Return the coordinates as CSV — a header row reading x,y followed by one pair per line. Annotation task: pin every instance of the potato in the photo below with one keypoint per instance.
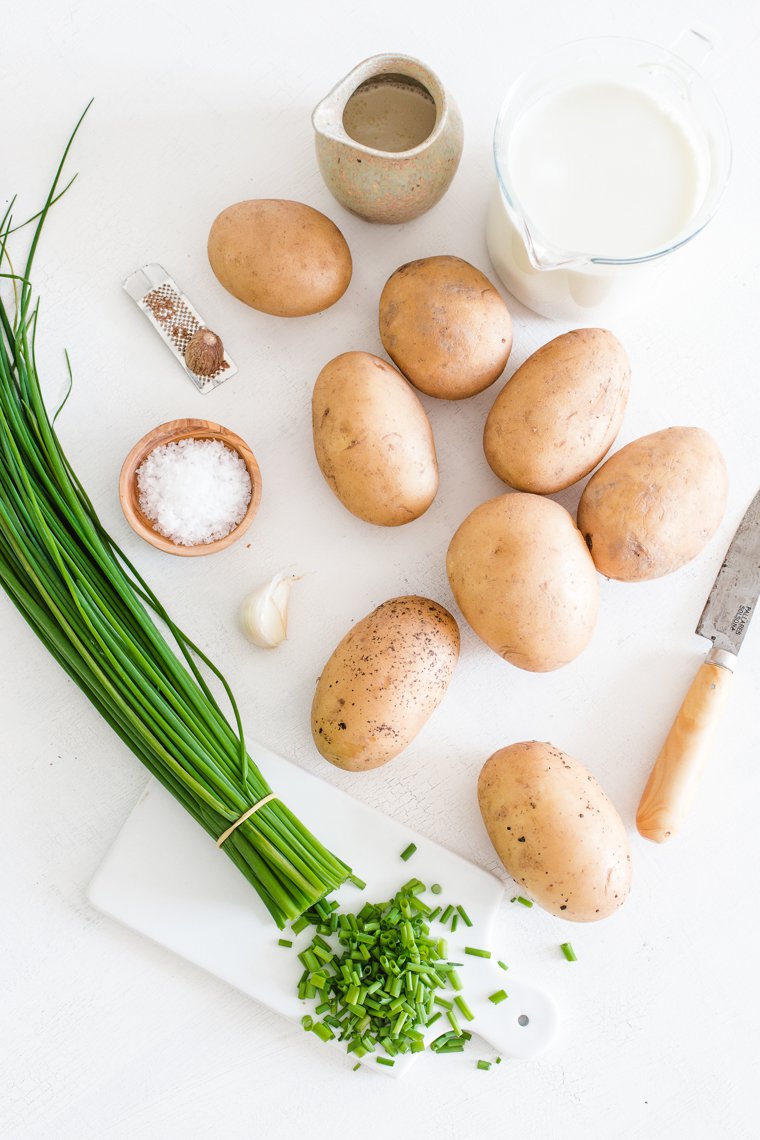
x,y
524,580
555,831
560,413
383,682
445,326
279,257
373,440
655,504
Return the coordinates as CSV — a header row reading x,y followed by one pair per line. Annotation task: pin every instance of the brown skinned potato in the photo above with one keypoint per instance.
x,y
445,326
280,257
560,412
373,440
383,682
655,504
524,580
555,831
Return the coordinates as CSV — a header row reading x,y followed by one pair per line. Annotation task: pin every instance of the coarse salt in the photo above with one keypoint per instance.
x,y
194,491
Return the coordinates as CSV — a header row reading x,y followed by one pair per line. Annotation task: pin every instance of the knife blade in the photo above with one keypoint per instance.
x,y
735,591
730,605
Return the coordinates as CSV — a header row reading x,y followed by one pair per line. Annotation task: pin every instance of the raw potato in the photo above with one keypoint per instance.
x,y
655,504
279,257
373,440
555,831
524,580
560,413
445,326
383,681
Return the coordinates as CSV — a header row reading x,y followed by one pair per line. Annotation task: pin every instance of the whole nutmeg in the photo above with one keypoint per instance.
x,y
204,354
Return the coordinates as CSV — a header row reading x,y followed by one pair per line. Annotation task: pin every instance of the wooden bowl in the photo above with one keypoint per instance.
x,y
173,432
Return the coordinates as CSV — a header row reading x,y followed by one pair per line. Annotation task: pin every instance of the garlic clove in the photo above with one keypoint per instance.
x,y
264,613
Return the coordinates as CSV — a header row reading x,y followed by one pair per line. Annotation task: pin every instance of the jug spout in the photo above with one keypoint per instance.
x,y
542,256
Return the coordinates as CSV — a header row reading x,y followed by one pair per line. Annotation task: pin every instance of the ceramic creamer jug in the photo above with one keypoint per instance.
x,y
388,139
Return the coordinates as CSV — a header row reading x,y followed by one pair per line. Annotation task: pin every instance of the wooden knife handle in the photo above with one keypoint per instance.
x,y
674,778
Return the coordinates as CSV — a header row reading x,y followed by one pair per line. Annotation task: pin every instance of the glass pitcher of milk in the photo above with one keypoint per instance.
x,y
610,155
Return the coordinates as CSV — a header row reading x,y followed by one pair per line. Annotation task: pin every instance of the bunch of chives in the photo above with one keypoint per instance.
x,y
95,614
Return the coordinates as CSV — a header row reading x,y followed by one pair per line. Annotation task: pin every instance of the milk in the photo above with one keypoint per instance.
x,y
594,172
606,170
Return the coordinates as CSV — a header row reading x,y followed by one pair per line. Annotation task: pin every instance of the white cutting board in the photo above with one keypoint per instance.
x,y
165,878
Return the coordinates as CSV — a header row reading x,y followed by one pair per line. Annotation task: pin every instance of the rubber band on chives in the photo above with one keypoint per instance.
x,y
246,815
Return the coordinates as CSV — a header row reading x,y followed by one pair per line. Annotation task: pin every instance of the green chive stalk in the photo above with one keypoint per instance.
x,y
97,616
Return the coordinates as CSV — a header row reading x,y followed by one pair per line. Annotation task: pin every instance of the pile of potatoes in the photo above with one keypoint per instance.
x,y
523,574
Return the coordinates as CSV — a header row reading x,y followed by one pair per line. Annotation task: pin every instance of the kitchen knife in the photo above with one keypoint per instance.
x,y
673,780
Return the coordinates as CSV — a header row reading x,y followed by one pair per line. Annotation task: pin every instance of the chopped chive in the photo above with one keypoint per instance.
x,y
357,883
454,1023
322,1031
477,953
454,980
436,888
498,997
407,853
465,916
400,1023
498,1061
413,887
284,942
385,1061
307,1022
503,965
464,1008
521,899
447,913
432,1020
358,1065
434,914
454,923
443,1002
485,1065
568,951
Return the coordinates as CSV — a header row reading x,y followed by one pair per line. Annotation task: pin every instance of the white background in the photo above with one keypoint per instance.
x,y
197,106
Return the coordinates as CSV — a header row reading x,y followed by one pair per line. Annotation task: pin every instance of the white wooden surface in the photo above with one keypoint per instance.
x,y
103,1035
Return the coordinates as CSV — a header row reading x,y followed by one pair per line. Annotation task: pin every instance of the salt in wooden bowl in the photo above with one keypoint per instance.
x,y
173,432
